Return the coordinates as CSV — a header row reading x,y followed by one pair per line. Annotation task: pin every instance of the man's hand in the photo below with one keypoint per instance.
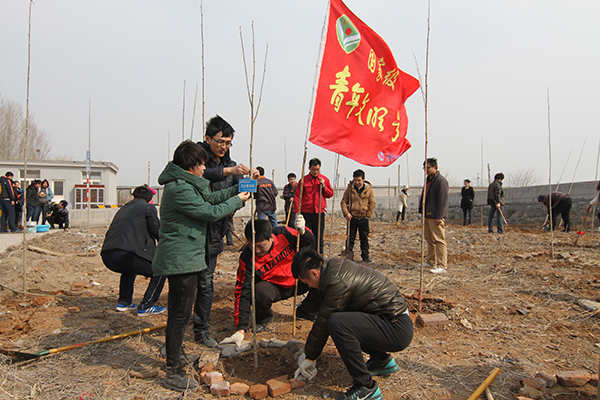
x,y
322,181
255,173
348,216
588,208
300,224
239,169
236,339
498,206
306,368
439,221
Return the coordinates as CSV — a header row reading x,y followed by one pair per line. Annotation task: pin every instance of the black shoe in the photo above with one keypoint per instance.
x,y
363,393
262,327
302,314
205,339
367,260
176,379
382,367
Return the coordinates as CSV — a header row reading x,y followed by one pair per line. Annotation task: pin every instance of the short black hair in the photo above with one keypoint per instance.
x,y
359,173
189,154
142,192
306,259
261,170
8,173
291,175
217,124
64,203
313,162
541,198
263,230
499,176
431,161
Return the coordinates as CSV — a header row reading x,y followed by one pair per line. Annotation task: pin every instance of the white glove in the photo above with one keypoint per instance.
x,y
236,339
300,224
306,368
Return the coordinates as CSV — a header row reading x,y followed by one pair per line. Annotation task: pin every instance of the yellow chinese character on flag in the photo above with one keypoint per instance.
x,y
340,87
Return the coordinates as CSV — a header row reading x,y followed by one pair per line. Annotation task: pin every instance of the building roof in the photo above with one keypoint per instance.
x,y
62,164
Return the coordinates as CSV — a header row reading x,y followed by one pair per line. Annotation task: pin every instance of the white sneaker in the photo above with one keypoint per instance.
x,y
426,265
437,270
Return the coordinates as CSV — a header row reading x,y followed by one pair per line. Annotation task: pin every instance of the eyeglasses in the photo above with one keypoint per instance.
x,y
223,143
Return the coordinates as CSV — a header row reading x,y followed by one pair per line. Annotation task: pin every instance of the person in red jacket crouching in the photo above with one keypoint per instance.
x,y
275,250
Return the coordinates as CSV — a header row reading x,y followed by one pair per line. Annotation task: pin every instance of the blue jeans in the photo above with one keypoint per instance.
x,y
499,221
204,296
8,215
32,213
270,215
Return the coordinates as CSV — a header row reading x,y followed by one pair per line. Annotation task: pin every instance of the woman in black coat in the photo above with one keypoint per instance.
x,y
468,194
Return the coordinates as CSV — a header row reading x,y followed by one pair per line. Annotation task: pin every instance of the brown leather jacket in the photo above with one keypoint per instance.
x,y
346,286
359,206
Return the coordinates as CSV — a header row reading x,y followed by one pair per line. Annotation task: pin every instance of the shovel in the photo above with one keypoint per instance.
x,y
30,356
348,254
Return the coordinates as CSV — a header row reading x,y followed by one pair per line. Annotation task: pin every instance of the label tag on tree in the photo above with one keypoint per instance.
x,y
247,185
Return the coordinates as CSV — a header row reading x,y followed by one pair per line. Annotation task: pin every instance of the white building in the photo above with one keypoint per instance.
x,y
68,179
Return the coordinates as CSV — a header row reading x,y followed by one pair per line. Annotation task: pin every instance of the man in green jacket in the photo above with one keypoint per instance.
x,y
362,311
186,207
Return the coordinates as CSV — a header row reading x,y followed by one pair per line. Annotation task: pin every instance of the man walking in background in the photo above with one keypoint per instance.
x,y
496,202
436,210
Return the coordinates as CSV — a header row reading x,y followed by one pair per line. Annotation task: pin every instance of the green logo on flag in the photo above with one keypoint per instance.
x,y
347,34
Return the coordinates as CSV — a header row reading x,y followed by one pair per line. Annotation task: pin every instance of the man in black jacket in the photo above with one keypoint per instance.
x,y
222,172
436,211
362,311
496,202
129,248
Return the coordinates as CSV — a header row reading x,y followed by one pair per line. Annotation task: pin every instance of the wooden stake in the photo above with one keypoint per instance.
x,y
595,183
25,147
202,38
194,112
550,178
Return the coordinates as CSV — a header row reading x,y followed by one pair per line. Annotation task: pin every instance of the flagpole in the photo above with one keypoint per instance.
x,y
310,116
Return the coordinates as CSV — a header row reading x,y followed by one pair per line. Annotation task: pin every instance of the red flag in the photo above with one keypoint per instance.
x,y
359,109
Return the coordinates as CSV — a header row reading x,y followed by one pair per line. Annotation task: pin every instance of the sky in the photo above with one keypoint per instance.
x,y
498,72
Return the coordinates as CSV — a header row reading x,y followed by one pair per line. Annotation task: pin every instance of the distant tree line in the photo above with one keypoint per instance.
x,y
12,134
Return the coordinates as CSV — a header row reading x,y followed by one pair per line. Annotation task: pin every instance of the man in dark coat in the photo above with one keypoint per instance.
x,y
436,210
7,204
362,311
222,172
496,202
129,248
466,203
289,191
266,198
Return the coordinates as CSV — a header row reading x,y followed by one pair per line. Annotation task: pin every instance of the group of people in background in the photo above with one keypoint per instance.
x,y
36,201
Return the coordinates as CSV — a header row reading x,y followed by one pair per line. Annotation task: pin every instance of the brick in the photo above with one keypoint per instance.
x,y
212,377
239,388
572,378
220,389
432,319
74,310
258,391
550,380
539,385
279,386
296,383
208,367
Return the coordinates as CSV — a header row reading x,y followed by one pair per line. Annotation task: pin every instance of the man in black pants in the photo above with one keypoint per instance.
x,y
275,250
362,311
561,205
129,249
222,172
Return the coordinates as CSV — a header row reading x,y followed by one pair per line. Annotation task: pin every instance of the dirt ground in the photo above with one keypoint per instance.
x,y
520,314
